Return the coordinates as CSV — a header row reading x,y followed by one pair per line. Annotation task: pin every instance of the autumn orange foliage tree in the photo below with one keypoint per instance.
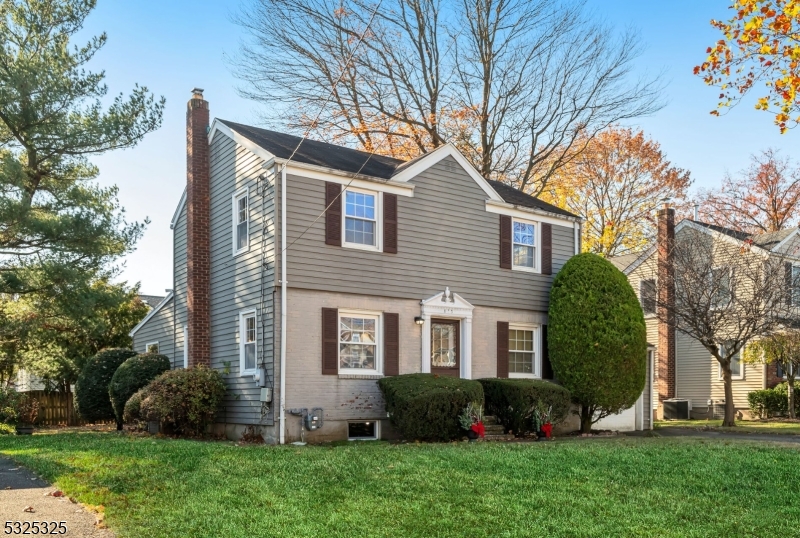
x,y
765,197
761,43
616,184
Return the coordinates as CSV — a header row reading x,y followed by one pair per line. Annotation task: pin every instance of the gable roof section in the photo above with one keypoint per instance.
x,y
622,262
331,156
772,240
152,300
152,313
513,196
317,153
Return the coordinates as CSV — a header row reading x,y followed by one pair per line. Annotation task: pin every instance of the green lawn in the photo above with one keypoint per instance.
x,y
742,426
606,487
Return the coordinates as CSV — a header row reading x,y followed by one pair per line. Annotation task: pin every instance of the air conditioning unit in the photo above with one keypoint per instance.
x,y
677,409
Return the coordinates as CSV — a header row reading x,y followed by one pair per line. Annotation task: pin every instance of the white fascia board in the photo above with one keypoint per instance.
x,y
178,211
504,208
640,260
437,155
219,127
152,313
344,178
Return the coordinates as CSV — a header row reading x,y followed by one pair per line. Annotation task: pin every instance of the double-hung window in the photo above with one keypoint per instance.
x,y
524,244
359,346
720,287
524,359
241,221
152,347
361,220
737,368
247,342
647,296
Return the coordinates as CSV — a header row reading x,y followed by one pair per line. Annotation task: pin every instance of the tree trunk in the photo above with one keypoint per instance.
x,y
730,411
71,418
790,384
586,419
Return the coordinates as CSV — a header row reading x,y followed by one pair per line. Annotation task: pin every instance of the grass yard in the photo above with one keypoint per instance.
x,y
609,487
742,426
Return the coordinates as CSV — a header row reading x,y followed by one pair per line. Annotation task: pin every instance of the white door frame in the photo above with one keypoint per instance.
x,y
447,305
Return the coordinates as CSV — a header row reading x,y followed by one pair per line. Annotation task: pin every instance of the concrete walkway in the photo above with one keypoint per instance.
x,y
674,431
20,489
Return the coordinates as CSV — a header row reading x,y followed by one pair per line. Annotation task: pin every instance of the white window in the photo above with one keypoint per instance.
x,y
737,367
241,221
359,343
647,296
152,347
368,430
185,346
524,244
247,343
361,219
720,287
524,359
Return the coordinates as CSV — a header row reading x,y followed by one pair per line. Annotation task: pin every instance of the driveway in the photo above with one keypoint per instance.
x,y
20,489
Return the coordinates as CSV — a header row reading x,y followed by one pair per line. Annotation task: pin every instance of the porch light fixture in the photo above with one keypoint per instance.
x,y
419,320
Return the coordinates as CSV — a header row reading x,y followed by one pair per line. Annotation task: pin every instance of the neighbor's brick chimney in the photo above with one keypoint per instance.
x,y
198,206
666,296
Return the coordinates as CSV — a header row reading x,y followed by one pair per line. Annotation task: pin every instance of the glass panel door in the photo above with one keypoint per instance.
x,y
445,347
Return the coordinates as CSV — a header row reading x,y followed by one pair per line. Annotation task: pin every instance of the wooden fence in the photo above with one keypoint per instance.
x,y
55,409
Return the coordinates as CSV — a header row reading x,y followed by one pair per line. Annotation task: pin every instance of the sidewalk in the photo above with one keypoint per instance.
x,y
20,488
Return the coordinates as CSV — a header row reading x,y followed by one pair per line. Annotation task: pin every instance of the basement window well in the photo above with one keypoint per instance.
x,y
363,431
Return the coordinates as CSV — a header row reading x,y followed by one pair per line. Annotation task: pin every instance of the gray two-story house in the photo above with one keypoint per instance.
x,y
305,271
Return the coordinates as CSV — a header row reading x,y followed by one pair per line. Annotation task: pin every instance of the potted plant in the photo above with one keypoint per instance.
x,y
541,421
27,411
471,420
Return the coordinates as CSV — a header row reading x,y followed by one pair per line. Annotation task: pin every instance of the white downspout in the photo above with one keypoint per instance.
x,y
652,355
283,305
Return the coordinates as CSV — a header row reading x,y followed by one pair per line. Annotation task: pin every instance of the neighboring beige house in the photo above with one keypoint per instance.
x,y
683,367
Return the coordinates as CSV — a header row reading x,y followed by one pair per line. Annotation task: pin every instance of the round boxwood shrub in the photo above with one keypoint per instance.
x,y
597,337
184,399
91,388
132,375
427,406
512,402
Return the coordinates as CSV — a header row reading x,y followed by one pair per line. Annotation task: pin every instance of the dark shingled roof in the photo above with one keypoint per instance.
x,y
737,234
517,197
360,162
151,300
319,153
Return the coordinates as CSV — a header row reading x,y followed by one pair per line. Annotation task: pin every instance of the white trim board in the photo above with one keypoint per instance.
x,y
529,213
177,213
424,162
152,313
345,178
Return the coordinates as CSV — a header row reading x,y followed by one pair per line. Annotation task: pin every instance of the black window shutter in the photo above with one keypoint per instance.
x,y
391,344
390,223
330,341
787,274
502,349
779,370
547,249
333,214
547,367
505,242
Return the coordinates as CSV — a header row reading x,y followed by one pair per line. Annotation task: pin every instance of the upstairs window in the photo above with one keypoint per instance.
x,y
737,368
647,296
794,285
241,222
524,245
247,346
361,219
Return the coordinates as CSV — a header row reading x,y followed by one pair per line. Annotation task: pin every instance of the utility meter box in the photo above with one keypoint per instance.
x,y
266,394
312,421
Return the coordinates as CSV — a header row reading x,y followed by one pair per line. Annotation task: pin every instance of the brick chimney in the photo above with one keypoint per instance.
x,y
198,216
665,243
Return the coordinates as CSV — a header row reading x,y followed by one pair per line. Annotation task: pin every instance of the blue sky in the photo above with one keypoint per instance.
x,y
175,45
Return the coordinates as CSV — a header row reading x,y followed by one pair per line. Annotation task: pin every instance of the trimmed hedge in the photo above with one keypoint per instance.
x,y
427,406
512,401
773,402
91,389
132,375
186,399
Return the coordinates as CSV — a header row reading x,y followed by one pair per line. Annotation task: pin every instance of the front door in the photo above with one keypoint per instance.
x,y
445,348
